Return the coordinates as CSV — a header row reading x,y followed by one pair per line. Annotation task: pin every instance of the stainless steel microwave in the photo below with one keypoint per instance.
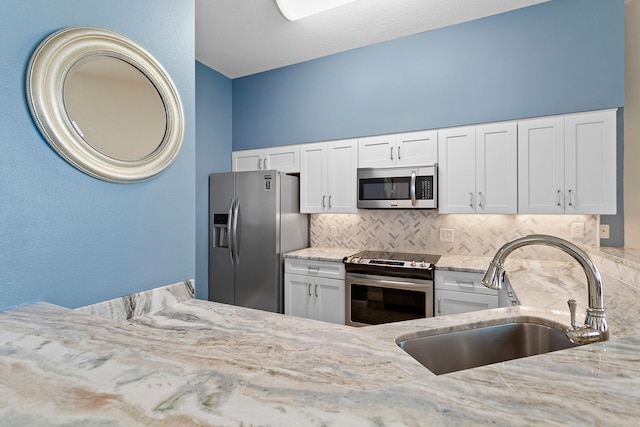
x,y
399,188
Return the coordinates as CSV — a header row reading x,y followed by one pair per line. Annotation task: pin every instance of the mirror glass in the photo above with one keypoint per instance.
x,y
114,107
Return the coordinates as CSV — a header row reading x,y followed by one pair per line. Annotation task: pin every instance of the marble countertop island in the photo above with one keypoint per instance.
x,y
204,363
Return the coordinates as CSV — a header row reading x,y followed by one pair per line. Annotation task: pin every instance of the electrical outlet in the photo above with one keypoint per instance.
x,y
604,231
446,235
577,230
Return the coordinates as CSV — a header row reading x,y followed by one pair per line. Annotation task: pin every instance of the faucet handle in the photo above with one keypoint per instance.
x,y
572,308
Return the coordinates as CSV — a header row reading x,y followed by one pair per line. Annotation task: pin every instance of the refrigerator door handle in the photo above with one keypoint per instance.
x,y
236,239
230,234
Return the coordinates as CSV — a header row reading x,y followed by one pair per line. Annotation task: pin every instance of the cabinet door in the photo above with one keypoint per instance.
x,y
285,158
297,295
417,148
456,175
453,302
313,180
377,151
590,163
541,166
328,300
246,160
342,164
497,168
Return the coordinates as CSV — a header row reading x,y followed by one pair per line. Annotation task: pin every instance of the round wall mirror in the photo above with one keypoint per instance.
x,y
105,104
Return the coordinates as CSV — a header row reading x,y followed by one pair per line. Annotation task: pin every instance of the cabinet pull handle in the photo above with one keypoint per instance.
x,y
316,291
471,200
559,194
398,152
265,163
570,197
439,305
323,201
391,153
329,201
309,289
480,199
259,164
468,283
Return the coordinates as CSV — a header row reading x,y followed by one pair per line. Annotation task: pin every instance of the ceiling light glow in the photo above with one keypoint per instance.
x,y
298,9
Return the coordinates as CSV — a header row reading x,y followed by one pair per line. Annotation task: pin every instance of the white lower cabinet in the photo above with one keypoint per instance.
x,y
462,292
314,290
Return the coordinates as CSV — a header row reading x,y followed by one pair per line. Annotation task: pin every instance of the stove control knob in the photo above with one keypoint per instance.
x,y
413,263
424,264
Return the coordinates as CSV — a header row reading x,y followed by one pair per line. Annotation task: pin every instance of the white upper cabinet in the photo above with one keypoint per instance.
x,y
328,177
541,165
567,164
497,168
590,163
313,177
376,151
405,149
342,179
457,170
477,169
284,158
246,160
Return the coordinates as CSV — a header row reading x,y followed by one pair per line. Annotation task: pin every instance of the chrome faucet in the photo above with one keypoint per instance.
x,y
595,325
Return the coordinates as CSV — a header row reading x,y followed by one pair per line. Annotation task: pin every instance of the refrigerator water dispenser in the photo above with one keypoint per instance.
x,y
220,230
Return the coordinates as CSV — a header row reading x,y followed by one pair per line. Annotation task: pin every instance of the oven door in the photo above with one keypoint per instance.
x,y
372,300
398,187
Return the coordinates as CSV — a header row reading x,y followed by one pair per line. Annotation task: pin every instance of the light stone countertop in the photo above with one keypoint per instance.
x,y
322,254
204,363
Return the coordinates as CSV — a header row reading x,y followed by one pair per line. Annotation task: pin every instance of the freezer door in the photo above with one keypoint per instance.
x,y
221,268
257,267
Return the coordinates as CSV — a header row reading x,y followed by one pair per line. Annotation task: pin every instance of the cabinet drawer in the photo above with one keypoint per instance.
x,y
307,267
461,282
453,302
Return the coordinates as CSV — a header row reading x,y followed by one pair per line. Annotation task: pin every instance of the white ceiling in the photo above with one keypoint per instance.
x,y
242,37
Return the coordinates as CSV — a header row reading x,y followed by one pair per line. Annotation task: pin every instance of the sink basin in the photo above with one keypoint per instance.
x,y
455,351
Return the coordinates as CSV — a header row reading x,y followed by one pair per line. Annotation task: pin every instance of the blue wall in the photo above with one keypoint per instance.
x,y
68,238
213,154
556,57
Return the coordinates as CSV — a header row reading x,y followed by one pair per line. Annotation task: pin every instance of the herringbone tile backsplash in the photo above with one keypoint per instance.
x,y
419,230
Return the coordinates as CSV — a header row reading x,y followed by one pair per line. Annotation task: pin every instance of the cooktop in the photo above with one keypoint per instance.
x,y
393,259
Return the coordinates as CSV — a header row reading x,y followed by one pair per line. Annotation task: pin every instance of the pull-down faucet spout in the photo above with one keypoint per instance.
x,y
595,325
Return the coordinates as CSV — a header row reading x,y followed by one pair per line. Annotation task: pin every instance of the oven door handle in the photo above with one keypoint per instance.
x,y
413,188
389,281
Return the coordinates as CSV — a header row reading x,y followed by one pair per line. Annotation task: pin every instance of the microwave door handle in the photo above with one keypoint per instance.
x,y
413,188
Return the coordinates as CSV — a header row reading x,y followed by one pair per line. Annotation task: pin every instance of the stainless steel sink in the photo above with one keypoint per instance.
x,y
455,351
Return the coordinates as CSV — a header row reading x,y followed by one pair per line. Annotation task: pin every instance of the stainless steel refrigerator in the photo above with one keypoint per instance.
x,y
254,218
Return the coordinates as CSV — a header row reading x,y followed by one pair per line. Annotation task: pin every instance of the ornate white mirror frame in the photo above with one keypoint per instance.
x,y
48,70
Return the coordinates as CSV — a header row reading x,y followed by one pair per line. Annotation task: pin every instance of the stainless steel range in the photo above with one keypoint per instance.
x,y
383,287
